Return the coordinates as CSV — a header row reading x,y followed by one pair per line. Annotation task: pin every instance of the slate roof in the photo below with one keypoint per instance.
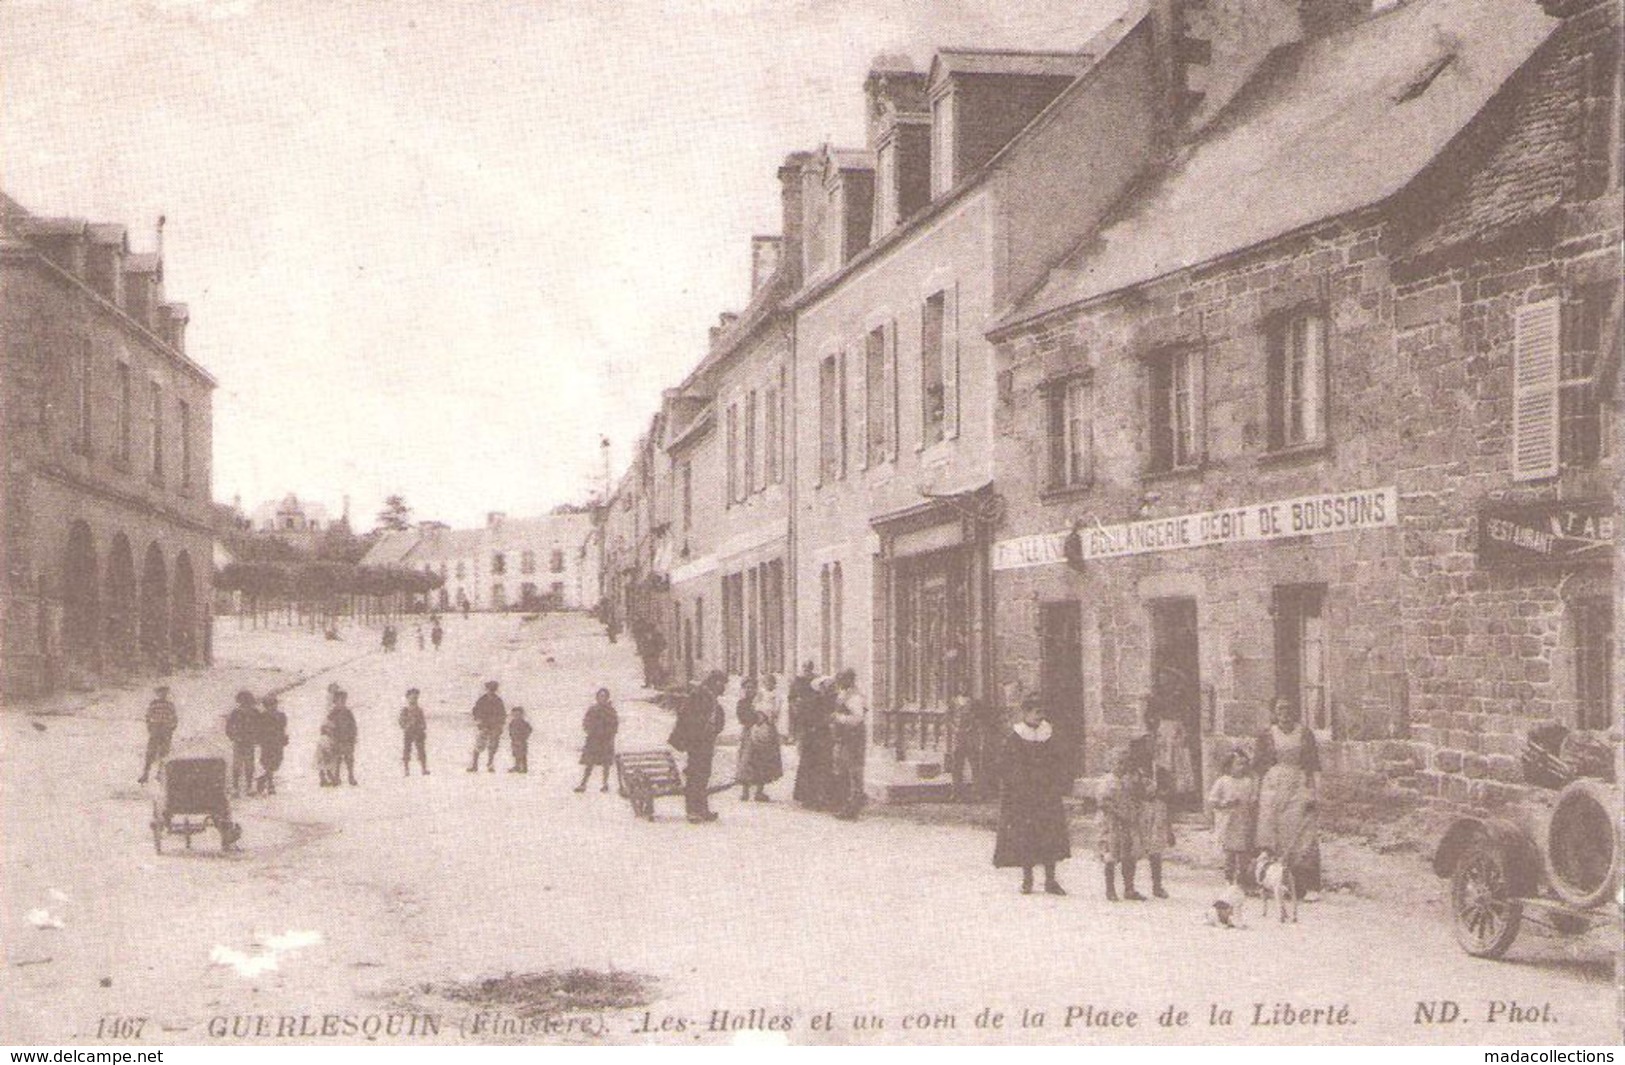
x,y
1322,130
392,548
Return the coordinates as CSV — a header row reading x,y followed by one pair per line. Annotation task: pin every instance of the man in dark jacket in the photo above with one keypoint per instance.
x,y
273,740
242,729
698,725
345,732
490,714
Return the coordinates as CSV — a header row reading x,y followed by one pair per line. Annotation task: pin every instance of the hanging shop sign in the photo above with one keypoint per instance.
x,y
1283,519
1564,533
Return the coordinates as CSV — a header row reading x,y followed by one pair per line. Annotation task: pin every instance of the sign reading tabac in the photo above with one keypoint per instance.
x,y
1546,533
1329,512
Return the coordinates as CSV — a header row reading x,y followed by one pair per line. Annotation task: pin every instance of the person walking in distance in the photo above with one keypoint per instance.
x,y
490,714
162,720
242,729
345,734
273,741
600,723
414,734
519,731
850,726
695,734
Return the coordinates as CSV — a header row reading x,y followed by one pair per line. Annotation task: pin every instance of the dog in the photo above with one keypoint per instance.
x,y
1275,880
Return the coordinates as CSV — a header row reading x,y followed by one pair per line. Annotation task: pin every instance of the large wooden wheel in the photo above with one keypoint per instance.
x,y
1486,915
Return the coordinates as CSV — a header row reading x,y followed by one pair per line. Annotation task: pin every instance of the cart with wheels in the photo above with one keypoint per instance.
x,y
194,801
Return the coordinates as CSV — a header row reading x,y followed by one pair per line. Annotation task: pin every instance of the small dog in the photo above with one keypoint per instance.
x,y
1275,880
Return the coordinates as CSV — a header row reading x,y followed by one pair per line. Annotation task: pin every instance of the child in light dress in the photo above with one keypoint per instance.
x,y
1234,801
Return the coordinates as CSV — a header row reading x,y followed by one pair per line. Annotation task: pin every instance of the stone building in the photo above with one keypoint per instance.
x,y
636,541
506,564
978,173
300,523
1324,410
108,528
726,448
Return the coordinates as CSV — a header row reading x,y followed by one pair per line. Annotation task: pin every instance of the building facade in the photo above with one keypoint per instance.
x,y
508,564
108,526
1344,443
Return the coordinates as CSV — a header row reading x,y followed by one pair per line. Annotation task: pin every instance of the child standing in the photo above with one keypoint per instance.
x,y
600,724
519,731
1234,799
414,734
1120,816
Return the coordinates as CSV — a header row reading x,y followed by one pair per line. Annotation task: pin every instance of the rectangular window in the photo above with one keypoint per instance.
x,y
186,442
829,419
770,445
499,564
1581,413
124,413
157,393
1297,381
751,464
733,453
555,562
82,383
1300,650
1070,405
875,398
825,621
688,496
1175,411
527,563
933,376
1593,662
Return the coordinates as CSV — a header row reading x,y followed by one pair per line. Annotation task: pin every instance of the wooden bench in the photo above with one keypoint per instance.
x,y
645,776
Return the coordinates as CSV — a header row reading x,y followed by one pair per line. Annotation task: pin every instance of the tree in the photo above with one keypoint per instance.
x,y
396,515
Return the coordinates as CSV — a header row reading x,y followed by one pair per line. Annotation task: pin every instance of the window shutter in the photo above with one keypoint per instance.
x,y
893,422
1534,391
1275,359
950,362
868,402
842,413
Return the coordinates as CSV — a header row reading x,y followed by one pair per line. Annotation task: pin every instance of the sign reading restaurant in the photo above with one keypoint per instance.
x,y
1572,532
1330,512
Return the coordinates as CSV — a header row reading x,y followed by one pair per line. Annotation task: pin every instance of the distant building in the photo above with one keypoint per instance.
x,y
108,530
300,523
508,564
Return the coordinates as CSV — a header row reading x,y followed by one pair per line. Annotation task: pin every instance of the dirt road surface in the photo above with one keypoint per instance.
x,y
416,889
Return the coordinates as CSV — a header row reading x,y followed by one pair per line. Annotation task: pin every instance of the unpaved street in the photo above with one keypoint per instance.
x,y
420,883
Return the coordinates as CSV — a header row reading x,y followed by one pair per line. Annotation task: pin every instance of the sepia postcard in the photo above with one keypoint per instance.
x,y
825,522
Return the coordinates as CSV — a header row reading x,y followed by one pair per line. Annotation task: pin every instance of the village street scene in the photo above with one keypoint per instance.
x,y
1096,524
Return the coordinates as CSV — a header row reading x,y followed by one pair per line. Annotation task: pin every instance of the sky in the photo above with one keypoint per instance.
x,y
443,248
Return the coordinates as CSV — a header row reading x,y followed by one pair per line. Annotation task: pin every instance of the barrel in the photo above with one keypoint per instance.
x,y
1583,844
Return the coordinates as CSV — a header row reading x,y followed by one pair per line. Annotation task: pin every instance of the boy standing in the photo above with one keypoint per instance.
x,y
414,734
519,731
162,721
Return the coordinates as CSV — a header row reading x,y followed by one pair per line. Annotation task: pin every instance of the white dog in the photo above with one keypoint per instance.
x,y
1275,880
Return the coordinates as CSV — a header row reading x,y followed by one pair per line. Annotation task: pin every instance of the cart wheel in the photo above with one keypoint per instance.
x,y
1485,913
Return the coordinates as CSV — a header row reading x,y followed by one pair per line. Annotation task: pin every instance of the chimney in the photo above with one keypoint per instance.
x,y
790,199
764,259
900,137
172,319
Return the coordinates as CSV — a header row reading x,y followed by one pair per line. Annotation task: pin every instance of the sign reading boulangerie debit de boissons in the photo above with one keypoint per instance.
x,y
1329,512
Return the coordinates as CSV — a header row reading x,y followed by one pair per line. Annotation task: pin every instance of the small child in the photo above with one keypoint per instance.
x,y
1234,799
600,724
327,757
519,731
1119,801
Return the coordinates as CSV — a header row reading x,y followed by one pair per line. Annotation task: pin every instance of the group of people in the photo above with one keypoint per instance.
x,y
1263,803
830,721
258,732
391,636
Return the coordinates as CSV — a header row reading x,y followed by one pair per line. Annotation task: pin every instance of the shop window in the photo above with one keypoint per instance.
x,y
1297,381
1069,406
1593,662
1176,410
1300,650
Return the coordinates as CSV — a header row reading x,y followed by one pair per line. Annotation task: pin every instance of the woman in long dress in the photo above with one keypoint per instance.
x,y
816,742
760,763
1032,818
1290,762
